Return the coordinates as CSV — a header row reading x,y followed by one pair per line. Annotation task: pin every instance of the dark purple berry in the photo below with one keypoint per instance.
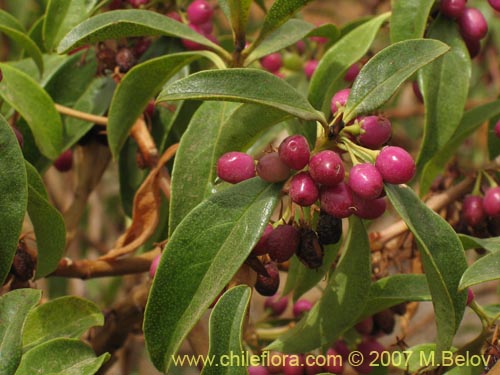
x,y
294,151
326,168
271,169
303,190
268,285
470,296
125,59
473,210
235,167
310,251
199,11
312,368
300,307
294,364
491,202
329,229
473,46
352,72
65,161
337,200
342,349
154,266
375,131
275,363
272,63
497,129
206,28
141,46
150,108
365,327
189,44
310,67
261,247
277,306
366,181
417,92
369,209
339,100
495,4
19,136
384,321
395,165
472,24
257,370
452,8
283,242
368,347
334,363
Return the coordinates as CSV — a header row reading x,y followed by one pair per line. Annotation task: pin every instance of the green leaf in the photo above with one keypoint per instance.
x,y
287,34
61,357
61,16
202,255
237,12
444,103
382,75
14,307
329,75
280,12
409,19
242,85
493,140
443,259
226,325
471,120
66,316
11,27
13,196
396,289
344,298
489,244
482,270
127,23
137,88
37,108
419,356
225,127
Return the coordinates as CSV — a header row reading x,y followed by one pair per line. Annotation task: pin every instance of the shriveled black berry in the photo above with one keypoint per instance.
x,y
329,229
23,265
384,321
125,59
268,286
310,251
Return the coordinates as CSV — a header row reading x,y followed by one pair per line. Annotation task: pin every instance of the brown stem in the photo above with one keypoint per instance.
x,y
145,142
98,120
86,268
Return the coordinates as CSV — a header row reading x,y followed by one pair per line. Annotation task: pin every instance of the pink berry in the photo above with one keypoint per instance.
x,y
272,63
365,327
271,169
206,28
174,15
276,305
395,165
19,136
337,200
300,307
275,363
303,190
368,347
261,247
341,348
319,39
472,24
497,129
150,108
294,364
154,266
352,72
339,100
470,296
294,151
199,11
473,46
473,210
311,367
326,168
375,131
301,47
452,8
137,3
65,161
257,370
368,209
283,242
310,67
235,167
334,361
417,92
366,181
495,4
491,202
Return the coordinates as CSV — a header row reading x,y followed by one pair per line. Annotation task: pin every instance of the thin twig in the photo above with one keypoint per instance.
x,y
98,120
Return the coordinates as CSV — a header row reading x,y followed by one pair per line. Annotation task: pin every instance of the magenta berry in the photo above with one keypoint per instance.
x,y
283,242
368,209
334,364
472,24
199,11
337,200
375,131
174,15
294,364
497,129
235,167
272,63
190,45
154,266
473,210
366,181
311,367
206,28
137,3
294,151
65,161
491,202
261,247
395,165
326,168
267,285
339,100
300,307
495,4
303,190
310,67
368,347
342,349
452,8
271,169
352,72
470,296
150,108
257,370
473,46
277,306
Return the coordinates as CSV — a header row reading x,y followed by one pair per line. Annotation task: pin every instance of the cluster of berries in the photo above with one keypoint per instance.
x,y
476,208
471,22
200,16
